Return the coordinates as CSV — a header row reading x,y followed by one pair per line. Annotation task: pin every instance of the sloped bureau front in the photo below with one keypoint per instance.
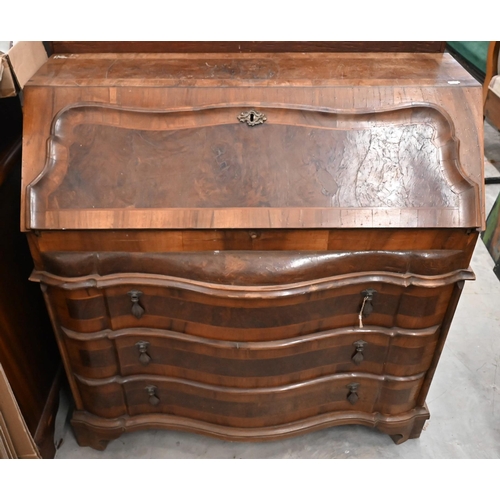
x,y
299,167
251,247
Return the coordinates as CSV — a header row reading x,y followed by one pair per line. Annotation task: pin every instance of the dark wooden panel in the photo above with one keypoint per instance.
x,y
59,47
10,136
27,348
340,240
28,352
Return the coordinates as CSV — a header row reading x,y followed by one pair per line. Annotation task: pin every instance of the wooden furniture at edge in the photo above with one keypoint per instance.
x,y
251,246
28,352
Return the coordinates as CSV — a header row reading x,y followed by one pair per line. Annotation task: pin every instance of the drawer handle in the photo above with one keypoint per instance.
x,y
137,310
358,356
366,306
144,357
153,398
352,396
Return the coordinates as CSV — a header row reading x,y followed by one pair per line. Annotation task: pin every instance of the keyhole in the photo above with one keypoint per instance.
x,y
251,117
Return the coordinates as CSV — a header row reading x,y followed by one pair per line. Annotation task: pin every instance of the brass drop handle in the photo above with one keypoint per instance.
x,y
137,310
366,305
153,398
144,357
358,356
352,395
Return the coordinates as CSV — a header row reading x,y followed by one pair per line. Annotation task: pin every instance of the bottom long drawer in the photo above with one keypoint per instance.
x,y
259,407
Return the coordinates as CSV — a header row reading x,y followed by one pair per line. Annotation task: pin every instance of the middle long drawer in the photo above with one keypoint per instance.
x,y
393,351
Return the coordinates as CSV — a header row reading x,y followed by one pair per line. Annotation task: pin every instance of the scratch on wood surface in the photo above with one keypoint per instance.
x,y
109,68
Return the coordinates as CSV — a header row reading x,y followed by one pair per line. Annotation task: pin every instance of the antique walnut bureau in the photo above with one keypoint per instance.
x,y
251,246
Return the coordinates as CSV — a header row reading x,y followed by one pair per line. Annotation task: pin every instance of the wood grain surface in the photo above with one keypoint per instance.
x,y
253,314
391,351
335,240
341,85
97,432
251,246
391,168
268,69
257,407
253,267
182,47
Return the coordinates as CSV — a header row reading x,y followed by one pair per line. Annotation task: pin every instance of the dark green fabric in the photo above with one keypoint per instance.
x,y
473,52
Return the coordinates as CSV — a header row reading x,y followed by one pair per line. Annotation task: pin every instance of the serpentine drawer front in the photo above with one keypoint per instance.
x,y
251,246
249,407
246,314
392,351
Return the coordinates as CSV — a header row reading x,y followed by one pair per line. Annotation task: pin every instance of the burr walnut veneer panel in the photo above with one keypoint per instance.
x,y
305,167
251,246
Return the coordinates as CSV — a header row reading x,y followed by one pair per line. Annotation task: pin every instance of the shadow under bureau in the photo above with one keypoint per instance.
x,y
251,246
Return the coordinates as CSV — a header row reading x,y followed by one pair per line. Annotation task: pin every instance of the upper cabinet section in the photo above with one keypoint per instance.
x,y
244,141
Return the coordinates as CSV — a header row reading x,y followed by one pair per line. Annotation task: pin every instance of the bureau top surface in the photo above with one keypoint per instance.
x,y
264,69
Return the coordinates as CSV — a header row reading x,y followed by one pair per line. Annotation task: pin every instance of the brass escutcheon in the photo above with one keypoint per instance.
x,y
252,117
